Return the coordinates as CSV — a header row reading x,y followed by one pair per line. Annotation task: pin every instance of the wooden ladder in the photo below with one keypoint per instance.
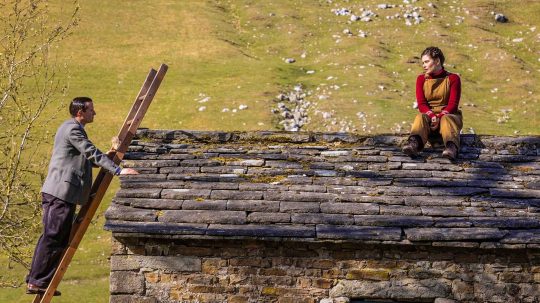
x,y
103,179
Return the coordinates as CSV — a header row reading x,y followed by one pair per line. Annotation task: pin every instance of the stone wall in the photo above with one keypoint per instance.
x,y
165,270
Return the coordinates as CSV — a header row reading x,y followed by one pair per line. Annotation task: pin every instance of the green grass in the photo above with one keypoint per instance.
x,y
233,51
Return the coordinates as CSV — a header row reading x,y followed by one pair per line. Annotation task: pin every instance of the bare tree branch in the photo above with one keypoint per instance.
x,y
29,87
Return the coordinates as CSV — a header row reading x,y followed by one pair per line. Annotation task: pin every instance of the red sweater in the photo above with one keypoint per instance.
x,y
455,93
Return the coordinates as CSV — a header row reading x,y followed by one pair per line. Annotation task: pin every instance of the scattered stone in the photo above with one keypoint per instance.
x,y
290,60
309,72
517,40
362,34
225,110
385,6
292,109
347,32
202,108
505,116
341,11
242,107
413,17
501,18
204,100
355,18
366,16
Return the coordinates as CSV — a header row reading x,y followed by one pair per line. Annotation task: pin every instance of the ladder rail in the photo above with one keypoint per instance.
x,y
132,112
103,179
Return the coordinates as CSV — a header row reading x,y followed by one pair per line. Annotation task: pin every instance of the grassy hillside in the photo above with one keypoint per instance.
x,y
234,53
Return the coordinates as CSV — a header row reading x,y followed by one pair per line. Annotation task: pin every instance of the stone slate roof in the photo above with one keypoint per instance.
x,y
329,187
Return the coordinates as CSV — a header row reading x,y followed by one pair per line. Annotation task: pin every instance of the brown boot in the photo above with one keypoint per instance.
x,y
413,146
451,151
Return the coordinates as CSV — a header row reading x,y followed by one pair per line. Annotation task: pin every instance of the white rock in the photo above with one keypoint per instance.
x,y
309,72
290,60
517,40
203,100
342,11
225,110
385,6
202,108
242,107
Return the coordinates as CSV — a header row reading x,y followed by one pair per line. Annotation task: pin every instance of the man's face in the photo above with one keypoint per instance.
x,y
87,116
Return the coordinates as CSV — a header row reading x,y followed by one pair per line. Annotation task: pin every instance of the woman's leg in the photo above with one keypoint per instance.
x,y
450,128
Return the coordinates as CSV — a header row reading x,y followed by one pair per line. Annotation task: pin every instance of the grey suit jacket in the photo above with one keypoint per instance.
x,y
70,171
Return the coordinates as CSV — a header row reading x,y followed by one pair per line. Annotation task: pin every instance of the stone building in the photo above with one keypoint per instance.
x,y
325,217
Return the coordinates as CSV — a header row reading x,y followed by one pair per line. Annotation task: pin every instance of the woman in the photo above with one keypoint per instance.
x,y
437,94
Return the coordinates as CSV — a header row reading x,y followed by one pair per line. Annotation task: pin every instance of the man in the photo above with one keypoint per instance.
x,y
68,183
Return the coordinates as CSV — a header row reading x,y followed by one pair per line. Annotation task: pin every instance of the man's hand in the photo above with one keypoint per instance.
x,y
129,171
115,143
435,121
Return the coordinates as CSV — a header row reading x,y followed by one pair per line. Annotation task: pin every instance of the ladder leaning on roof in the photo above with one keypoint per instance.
x,y
103,179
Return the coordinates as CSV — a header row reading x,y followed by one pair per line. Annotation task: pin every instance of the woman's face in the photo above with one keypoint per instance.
x,y
430,65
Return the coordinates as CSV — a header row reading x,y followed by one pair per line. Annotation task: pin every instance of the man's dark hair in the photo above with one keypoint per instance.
x,y
435,53
77,104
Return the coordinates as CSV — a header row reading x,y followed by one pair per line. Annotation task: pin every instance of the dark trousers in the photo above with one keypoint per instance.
x,y
57,221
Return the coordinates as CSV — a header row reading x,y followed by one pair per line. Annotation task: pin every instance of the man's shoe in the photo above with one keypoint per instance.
x,y
451,151
412,147
32,289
